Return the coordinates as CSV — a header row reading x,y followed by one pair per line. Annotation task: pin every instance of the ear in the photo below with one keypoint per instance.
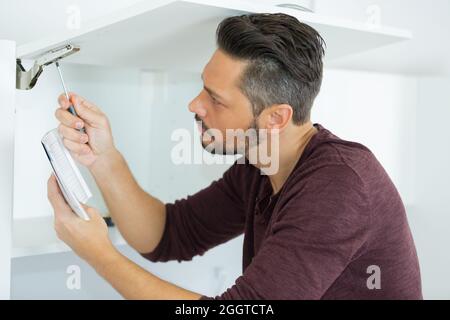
x,y
279,116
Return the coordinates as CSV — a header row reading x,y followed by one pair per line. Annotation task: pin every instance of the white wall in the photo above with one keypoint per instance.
x,y
7,81
430,216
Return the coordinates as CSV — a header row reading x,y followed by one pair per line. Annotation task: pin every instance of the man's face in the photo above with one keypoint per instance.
x,y
221,106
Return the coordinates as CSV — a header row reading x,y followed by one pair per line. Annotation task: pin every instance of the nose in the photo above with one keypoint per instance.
x,y
197,106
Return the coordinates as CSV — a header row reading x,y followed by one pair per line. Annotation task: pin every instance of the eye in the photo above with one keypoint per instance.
x,y
214,100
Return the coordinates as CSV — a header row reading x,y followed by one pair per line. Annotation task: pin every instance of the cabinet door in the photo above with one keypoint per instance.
x,y
7,90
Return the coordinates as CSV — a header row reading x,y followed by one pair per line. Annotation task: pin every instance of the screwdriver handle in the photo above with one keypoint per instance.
x,y
71,108
72,111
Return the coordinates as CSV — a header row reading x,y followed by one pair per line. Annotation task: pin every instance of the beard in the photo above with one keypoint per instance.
x,y
235,146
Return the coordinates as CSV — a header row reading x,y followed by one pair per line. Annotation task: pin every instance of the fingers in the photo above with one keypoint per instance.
x,y
55,195
65,103
62,211
75,147
84,109
68,119
92,213
91,115
76,99
72,134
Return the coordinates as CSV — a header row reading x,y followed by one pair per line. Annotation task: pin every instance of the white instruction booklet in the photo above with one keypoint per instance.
x,y
70,180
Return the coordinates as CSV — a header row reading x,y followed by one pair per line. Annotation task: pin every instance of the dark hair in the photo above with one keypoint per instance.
x,y
284,60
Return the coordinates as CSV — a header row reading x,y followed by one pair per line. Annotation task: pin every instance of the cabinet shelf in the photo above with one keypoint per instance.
x,y
181,34
36,236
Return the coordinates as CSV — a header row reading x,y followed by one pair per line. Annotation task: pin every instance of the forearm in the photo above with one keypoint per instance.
x,y
139,216
133,282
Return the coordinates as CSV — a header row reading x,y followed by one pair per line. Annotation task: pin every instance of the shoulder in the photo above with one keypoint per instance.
x,y
330,159
335,182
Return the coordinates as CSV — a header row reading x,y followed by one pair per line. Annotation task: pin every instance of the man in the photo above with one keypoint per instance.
x,y
328,224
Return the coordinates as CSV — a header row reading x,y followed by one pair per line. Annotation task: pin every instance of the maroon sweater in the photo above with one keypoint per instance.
x,y
337,215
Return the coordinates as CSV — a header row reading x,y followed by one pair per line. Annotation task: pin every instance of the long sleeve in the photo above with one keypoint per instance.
x,y
204,220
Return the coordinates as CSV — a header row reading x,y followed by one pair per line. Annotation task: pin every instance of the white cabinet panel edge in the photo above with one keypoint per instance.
x,y
304,16
7,94
36,236
150,34
33,48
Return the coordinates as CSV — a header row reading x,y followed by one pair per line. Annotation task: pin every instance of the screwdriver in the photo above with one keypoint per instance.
x,y
71,108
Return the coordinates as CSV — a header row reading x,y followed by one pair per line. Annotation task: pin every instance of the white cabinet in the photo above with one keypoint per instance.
x,y
141,65
7,84
180,34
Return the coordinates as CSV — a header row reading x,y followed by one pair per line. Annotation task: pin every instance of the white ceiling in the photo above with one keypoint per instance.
x,y
427,53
